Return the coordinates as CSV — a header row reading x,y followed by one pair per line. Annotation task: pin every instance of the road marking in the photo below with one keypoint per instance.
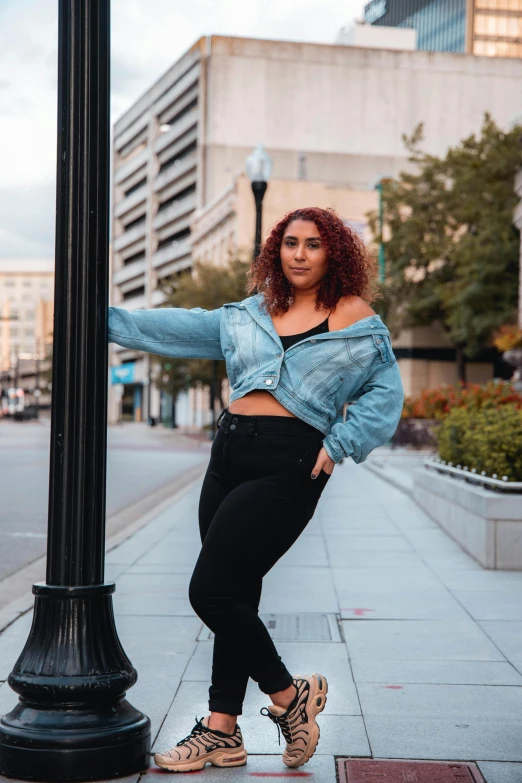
x,y
358,612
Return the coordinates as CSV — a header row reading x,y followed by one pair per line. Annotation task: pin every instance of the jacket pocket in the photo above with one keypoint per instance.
x,y
363,350
325,391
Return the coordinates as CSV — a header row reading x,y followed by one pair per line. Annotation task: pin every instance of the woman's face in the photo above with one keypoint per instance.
x,y
303,254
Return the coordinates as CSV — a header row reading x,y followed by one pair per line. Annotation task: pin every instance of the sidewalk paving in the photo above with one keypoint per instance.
x,y
422,648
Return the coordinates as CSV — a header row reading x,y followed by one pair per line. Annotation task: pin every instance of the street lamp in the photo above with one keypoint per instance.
x,y
259,169
379,188
72,721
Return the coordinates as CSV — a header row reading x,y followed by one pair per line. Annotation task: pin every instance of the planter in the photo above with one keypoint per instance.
x,y
486,524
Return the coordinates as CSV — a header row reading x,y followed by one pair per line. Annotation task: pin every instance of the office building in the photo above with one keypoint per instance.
x,y
341,109
491,28
26,309
26,324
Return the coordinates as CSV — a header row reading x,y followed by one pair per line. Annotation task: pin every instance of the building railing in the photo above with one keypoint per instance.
x,y
130,166
128,272
175,250
129,237
177,129
176,210
188,81
130,201
175,171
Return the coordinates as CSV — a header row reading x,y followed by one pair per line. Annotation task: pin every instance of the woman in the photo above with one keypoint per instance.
x,y
296,352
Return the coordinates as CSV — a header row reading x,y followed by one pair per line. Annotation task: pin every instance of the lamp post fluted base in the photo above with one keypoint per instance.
x,y
74,745
72,722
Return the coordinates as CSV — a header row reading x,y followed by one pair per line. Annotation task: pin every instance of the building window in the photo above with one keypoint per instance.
x,y
177,197
135,187
27,283
140,291
174,238
192,105
178,157
133,258
138,222
29,314
29,332
13,331
9,283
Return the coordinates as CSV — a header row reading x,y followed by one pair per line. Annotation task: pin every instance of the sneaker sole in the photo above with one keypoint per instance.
x,y
220,758
316,704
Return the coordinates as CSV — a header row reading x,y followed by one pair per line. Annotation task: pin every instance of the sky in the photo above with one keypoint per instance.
x,y
147,36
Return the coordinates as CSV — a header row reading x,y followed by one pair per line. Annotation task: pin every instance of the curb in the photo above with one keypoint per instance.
x,y
124,524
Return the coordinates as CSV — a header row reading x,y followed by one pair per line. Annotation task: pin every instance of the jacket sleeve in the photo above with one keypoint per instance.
x,y
371,421
168,331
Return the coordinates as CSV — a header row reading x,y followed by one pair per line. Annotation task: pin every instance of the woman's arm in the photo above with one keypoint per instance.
x,y
168,331
371,421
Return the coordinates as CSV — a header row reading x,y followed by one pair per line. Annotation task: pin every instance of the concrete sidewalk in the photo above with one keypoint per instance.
x,y
422,648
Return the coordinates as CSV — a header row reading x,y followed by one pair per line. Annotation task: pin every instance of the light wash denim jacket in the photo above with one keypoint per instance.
x,y
312,379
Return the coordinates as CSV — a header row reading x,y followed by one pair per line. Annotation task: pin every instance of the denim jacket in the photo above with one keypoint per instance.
x,y
312,379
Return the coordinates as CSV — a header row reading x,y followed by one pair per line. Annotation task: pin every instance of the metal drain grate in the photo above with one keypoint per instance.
x,y
295,628
388,771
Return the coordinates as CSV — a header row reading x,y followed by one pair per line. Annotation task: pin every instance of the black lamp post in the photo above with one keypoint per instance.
x,y
72,721
259,169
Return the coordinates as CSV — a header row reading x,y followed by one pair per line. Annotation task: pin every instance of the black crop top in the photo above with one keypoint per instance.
x,y
291,339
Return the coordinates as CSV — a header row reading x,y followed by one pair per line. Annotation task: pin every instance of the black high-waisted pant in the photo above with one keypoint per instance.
x,y
256,500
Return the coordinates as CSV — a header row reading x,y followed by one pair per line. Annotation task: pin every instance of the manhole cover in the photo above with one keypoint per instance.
x,y
296,628
387,771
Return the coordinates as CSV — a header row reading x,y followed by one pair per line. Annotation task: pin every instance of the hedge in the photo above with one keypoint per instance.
x,y
488,439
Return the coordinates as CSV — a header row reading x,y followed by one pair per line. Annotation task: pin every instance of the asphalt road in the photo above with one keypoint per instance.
x,y
140,461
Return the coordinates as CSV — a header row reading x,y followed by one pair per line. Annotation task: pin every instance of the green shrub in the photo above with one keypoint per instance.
x,y
488,439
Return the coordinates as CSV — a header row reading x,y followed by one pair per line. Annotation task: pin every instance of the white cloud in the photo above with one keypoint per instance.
x,y
147,37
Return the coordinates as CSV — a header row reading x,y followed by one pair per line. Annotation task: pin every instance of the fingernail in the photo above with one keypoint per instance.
x,y
314,475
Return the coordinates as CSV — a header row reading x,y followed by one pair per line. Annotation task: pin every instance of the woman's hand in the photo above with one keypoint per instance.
x,y
323,462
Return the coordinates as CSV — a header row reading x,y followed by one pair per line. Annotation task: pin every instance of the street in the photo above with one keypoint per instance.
x,y
141,460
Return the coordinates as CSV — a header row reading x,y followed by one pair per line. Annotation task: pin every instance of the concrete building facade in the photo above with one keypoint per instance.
x,y
26,309
333,115
26,323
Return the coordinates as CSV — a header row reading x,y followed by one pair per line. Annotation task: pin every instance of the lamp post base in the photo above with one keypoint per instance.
x,y
73,722
74,744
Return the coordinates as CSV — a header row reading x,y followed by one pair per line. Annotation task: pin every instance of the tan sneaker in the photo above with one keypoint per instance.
x,y
297,723
204,745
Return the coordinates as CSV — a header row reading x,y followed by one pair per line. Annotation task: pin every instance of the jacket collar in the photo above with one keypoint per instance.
x,y
372,324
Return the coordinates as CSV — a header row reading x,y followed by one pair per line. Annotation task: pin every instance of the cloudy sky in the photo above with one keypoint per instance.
x,y
147,37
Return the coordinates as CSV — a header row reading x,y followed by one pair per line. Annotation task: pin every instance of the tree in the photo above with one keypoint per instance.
x,y
209,286
452,252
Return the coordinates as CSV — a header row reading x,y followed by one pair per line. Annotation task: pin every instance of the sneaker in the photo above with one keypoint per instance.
x,y
204,745
297,722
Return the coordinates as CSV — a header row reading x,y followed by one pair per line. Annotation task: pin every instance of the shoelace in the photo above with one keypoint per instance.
x,y
196,731
283,722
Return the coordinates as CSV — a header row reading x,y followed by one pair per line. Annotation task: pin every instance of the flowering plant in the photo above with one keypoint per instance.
x,y
437,403
508,337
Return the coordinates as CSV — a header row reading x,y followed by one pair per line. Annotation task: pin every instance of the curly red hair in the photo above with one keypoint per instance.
x,y
351,268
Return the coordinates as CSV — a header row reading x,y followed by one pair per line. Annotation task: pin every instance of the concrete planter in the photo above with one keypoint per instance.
x,y
486,524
